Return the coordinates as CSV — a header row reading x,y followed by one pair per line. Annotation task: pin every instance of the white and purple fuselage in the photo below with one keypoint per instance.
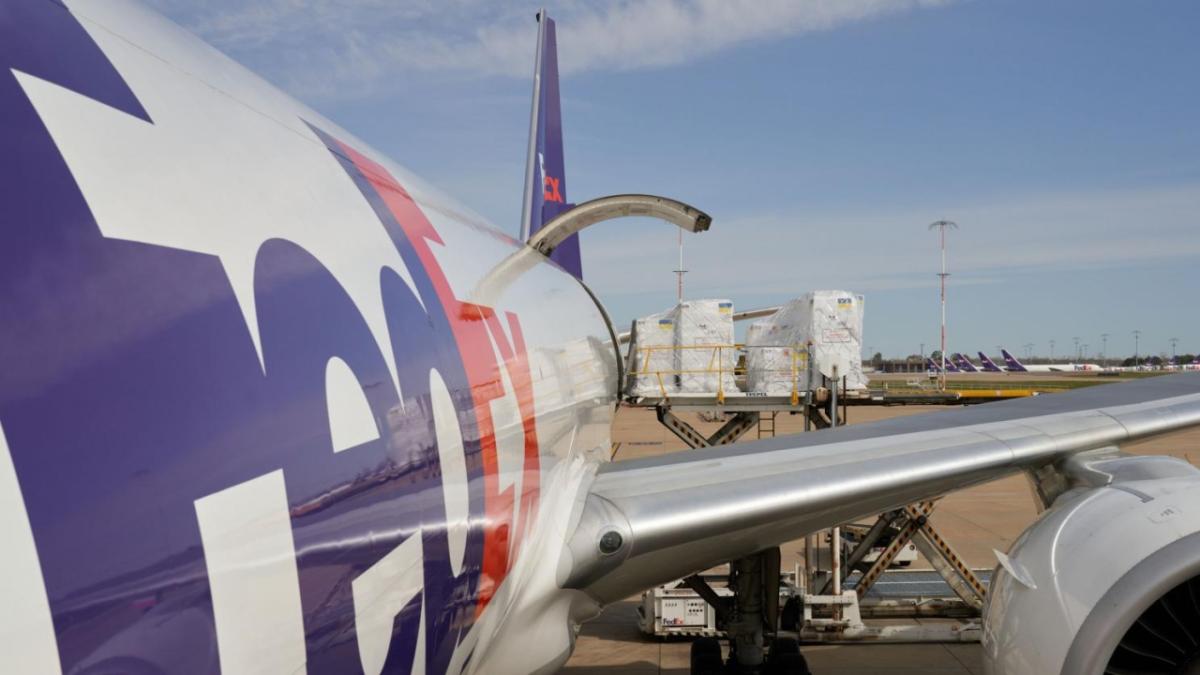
x,y
255,415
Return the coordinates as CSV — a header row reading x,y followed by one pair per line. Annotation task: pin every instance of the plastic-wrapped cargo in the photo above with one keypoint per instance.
x,y
652,363
706,352
688,348
775,358
831,320
754,356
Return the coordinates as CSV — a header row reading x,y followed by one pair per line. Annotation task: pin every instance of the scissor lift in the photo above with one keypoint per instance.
x,y
826,614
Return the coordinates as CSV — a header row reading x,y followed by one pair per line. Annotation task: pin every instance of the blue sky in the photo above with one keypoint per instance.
x,y
823,137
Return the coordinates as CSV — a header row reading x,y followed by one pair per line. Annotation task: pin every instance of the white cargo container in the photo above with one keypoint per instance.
x,y
652,355
688,348
830,323
706,352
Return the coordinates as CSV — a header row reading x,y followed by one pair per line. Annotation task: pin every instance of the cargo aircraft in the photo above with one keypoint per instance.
x,y
1013,365
989,365
936,367
963,363
265,408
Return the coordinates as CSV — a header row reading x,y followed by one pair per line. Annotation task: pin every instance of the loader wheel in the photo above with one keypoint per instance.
x,y
784,658
789,664
789,617
706,657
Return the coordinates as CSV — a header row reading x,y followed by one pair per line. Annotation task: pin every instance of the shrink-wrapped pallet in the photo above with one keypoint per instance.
x,y
831,320
688,348
652,363
706,352
775,358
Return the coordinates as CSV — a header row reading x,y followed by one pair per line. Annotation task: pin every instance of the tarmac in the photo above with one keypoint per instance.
x,y
975,521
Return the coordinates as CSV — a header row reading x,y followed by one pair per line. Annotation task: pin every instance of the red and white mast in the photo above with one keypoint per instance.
x,y
941,226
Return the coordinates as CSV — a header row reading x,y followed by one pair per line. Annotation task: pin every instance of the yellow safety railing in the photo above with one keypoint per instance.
x,y
716,365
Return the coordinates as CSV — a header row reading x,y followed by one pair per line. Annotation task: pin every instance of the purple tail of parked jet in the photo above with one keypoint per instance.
x,y
988,365
930,364
545,171
963,363
1012,363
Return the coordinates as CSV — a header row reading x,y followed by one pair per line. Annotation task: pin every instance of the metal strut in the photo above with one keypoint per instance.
x,y
864,547
739,424
946,562
817,418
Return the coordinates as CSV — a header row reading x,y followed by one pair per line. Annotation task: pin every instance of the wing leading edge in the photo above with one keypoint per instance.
x,y
680,513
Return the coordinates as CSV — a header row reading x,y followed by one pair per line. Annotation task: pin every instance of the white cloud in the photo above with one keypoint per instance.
x,y
785,254
314,46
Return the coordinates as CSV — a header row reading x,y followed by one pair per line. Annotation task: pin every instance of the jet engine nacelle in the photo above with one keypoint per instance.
x,y
1107,579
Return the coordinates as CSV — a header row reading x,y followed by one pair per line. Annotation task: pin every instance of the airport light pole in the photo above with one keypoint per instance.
x,y
1103,348
1173,341
680,272
1052,351
1076,347
941,226
1028,349
1137,334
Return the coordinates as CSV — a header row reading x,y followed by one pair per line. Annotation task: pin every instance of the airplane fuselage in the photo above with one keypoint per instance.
x,y
255,414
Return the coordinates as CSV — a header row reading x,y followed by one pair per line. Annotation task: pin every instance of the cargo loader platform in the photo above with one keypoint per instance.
x,y
740,401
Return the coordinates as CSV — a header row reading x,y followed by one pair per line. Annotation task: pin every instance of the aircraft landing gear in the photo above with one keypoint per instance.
x,y
706,657
783,658
748,619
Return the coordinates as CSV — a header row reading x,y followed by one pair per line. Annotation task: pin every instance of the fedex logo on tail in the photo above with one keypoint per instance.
x,y
936,367
551,192
988,365
1012,362
963,364
546,187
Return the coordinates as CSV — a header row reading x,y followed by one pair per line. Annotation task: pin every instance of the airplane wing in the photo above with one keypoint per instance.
x,y
688,511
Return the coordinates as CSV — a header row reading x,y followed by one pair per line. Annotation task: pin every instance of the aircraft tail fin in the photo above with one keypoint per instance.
x,y
964,364
936,367
988,364
545,170
1012,362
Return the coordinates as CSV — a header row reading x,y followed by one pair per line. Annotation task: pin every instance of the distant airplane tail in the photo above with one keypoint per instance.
x,y
963,363
989,366
545,170
937,368
1012,362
